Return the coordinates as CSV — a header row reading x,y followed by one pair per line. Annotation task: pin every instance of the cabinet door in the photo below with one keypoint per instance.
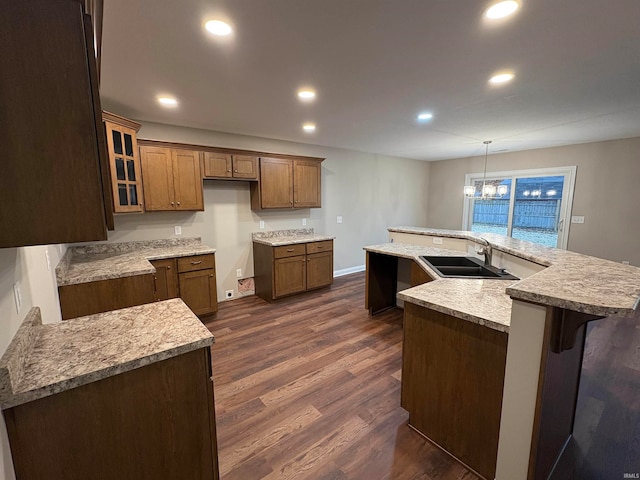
x,y
276,183
157,178
319,270
166,279
187,180
50,186
290,275
198,290
306,183
124,159
245,166
217,165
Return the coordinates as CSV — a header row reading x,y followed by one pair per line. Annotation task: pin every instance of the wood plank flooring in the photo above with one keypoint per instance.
x,y
309,387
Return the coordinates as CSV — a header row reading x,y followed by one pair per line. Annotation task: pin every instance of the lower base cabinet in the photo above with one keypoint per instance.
x,y
289,269
105,295
156,421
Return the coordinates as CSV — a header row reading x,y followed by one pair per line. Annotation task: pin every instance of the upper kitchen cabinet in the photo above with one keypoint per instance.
x,y
54,159
287,183
172,179
230,166
124,161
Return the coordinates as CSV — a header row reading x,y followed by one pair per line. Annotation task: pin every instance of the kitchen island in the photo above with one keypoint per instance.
x,y
529,333
123,394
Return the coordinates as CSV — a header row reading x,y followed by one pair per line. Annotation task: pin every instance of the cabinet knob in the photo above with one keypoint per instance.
x,y
172,203
169,267
230,170
178,203
211,275
236,170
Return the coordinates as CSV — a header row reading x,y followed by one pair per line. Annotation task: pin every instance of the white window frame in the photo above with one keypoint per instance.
x,y
567,195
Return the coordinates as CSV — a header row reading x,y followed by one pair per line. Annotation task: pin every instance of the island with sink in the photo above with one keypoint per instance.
x,y
494,331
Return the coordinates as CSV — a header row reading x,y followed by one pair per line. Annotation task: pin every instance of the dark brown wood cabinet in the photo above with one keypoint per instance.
x,y
104,295
197,283
172,179
289,269
452,382
230,166
166,279
157,421
54,159
287,183
124,162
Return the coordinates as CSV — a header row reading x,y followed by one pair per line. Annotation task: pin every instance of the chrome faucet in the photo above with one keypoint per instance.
x,y
486,250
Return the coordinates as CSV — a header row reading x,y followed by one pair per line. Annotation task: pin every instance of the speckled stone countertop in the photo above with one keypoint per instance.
x,y
277,238
476,300
104,261
43,360
572,281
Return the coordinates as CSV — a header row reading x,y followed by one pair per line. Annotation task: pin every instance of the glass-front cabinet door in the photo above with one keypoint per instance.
x,y
124,159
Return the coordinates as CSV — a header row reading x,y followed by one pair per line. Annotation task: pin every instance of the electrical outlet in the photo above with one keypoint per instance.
x,y
577,219
228,293
238,272
304,222
178,230
339,219
46,256
625,262
261,223
17,294
437,240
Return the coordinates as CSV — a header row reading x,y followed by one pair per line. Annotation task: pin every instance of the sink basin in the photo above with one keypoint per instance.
x,y
465,267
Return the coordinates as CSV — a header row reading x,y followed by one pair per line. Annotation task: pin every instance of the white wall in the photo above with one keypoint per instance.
x,y
28,267
606,192
371,193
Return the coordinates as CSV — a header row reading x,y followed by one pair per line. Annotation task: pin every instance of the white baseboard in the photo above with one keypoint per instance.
x,y
347,271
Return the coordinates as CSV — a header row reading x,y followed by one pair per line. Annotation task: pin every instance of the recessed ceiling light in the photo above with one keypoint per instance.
x,y
502,9
309,127
500,78
167,101
218,27
306,94
425,116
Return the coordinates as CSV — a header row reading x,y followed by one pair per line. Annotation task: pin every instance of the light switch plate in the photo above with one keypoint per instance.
x,y
339,219
17,294
46,256
304,222
261,223
577,219
238,272
178,230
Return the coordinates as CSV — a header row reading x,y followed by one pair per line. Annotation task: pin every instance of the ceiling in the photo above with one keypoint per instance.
x,y
376,64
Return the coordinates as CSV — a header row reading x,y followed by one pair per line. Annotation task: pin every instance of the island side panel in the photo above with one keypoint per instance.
x,y
380,282
452,383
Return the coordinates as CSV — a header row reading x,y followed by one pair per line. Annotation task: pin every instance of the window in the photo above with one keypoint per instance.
x,y
532,205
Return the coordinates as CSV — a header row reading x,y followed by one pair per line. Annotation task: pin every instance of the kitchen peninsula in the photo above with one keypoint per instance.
x,y
501,358
122,394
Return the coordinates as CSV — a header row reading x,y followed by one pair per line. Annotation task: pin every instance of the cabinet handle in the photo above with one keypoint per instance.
x,y
289,249
196,263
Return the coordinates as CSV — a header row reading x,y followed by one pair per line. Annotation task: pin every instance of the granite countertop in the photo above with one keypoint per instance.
x,y
476,300
277,238
43,360
572,281
104,261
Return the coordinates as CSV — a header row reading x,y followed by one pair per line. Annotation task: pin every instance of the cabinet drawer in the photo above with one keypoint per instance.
x,y
196,262
289,250
316,247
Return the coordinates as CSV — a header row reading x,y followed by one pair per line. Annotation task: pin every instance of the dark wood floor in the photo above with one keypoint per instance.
x,y
309,387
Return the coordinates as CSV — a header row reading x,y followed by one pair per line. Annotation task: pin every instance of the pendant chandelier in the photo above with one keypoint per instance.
x,y
488,190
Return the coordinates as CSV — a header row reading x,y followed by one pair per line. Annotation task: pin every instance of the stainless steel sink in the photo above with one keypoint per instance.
x,y
465,267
